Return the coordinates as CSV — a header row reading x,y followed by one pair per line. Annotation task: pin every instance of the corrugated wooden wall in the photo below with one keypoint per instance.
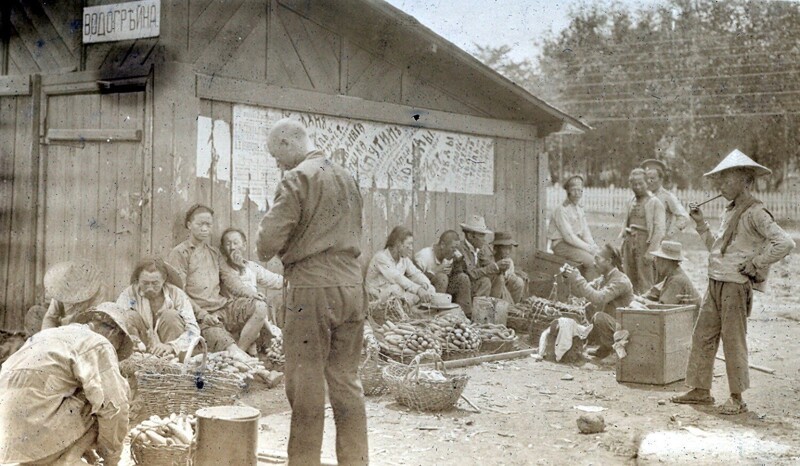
x,y
261,41
19,169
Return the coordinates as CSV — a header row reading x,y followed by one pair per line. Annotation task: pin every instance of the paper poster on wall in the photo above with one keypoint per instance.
x,y
213,149
377,154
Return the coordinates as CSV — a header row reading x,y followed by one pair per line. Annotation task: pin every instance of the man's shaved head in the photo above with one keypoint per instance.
x,y
288,142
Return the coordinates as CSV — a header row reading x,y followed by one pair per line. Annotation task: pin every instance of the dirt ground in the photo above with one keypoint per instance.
x,y
528,408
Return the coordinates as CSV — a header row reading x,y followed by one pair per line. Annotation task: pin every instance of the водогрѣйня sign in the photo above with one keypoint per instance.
x,y
121,21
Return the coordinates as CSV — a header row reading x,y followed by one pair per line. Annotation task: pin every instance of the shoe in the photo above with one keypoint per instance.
x,y
693,397
733,407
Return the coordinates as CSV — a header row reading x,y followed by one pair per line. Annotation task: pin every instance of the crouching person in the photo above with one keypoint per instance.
x,y
62,395
610,291
160,315
198,263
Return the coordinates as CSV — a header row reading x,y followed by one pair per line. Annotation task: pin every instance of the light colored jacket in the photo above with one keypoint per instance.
x,y
655,218
384,271
676,216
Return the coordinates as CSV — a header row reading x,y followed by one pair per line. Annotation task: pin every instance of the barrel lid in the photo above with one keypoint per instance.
x,y
229,413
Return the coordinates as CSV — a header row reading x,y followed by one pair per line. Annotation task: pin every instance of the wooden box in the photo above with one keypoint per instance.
x,y
541,280
659,343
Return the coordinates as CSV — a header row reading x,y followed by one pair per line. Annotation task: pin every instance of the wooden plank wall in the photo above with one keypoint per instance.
x,y
19,171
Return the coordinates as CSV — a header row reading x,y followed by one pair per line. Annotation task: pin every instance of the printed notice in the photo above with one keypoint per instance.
x,y
379,155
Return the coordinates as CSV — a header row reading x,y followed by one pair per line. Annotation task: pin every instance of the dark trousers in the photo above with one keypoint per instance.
x,y
458,286
322,340
602,333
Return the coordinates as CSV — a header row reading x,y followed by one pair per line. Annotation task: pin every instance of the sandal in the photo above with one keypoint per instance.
x,y
733,407
691,398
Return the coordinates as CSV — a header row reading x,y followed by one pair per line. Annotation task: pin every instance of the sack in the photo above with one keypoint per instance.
x,y
486,310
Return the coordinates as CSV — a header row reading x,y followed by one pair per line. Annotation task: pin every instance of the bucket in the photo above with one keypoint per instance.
x,y
227,435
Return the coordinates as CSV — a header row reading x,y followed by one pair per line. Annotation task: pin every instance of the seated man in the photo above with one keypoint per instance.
x,y
569,232
160,314
477,261
62,395
243,278
391,273
436,262
73,287
199,266
611,290
675,286
503,244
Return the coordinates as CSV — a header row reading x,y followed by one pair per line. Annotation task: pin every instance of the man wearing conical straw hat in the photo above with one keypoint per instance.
x,y
740,253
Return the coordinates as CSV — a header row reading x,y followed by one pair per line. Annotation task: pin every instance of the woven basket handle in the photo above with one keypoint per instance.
x,y
188,357
437,363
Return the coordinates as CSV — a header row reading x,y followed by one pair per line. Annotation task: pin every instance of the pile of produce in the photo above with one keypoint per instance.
x,y
496,333
406,339
175,430
275,353
245,371
455,333
536,307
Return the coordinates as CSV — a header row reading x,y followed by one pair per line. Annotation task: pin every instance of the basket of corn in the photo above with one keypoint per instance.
x,y
458,338
428,389
167,441
402,341
183,389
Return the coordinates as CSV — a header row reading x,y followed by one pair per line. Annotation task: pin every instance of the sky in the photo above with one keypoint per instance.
x,y
516,23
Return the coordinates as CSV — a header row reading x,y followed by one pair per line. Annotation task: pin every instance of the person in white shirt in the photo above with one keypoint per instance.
x,y
391,272
436,262
569,232
676,215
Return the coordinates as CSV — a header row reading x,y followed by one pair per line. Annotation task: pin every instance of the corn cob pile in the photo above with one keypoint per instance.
x,y
243,370
455,333
175,430
275,353
496,333
406,339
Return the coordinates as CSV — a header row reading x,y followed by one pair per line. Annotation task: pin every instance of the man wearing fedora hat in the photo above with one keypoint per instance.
x,y
477,261
748,242
62,394
676,216
73,287
675,286
503,243
160,315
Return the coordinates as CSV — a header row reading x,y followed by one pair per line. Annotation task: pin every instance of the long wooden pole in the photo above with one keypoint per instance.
x,y
474,361
765,369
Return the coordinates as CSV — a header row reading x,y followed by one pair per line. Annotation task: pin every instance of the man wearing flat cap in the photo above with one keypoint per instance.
x,y
477,261
748,242
568,230
676,216
503,244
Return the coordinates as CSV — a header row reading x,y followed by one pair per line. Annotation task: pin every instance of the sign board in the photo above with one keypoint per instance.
x,y
378,155
121,21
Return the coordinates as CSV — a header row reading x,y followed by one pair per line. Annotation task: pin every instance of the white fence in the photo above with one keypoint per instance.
x,y
783,205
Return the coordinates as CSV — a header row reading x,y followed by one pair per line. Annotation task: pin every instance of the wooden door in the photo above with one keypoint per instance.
x,y
96,179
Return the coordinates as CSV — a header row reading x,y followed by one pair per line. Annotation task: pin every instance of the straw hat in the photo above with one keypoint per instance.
x,y
116,314
671,250
503,238
72,281
737,159
477,224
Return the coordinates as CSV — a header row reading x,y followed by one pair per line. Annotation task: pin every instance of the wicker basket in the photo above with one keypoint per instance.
x,y
164,391
422,394
393,309
371,374
161,455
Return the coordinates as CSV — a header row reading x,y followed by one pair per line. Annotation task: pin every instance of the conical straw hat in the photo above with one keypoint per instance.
x,y
737,159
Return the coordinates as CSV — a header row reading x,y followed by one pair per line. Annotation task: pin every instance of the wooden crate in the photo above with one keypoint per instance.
x,y
541,280
659,343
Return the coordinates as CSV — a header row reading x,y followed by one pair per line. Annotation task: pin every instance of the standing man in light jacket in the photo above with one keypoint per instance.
x,y
747,243
676,216
315,227
642,233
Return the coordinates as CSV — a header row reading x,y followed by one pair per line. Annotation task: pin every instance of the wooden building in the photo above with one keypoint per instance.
x,y
105,145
